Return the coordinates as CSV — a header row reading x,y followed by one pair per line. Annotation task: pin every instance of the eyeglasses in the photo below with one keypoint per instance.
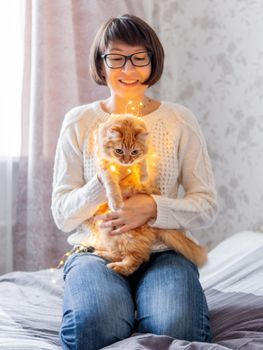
x,y
138,59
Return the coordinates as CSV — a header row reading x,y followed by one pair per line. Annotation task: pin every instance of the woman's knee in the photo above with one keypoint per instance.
x,y
179,327
81,265
171,301
97,306
92,331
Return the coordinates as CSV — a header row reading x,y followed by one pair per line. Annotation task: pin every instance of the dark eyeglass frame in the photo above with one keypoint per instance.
x,y
129,57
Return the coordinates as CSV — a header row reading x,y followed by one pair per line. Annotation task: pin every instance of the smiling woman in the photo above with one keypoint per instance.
x,y
127,57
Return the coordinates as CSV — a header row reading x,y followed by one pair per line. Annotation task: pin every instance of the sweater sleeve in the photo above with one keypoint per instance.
x,y
73,200
198,208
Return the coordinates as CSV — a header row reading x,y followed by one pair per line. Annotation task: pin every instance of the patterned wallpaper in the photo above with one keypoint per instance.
x,y
214,66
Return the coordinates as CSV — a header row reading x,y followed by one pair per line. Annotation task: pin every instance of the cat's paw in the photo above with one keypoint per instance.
x,y
120,268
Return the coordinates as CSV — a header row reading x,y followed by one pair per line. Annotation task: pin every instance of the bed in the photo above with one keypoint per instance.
x,y
30,303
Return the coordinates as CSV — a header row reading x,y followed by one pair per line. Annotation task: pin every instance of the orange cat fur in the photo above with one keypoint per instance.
x,y
123,143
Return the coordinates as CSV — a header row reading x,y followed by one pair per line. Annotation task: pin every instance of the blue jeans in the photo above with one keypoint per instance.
x,y
99,304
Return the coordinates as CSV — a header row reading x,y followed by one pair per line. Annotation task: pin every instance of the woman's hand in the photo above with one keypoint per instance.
x,y
135,212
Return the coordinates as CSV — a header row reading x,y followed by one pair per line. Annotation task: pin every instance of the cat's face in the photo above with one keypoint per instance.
x,y
125,143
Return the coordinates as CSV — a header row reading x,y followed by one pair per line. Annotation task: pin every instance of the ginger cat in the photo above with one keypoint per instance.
x,y
123,146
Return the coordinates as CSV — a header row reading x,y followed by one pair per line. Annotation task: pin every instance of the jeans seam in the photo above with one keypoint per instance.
x,y
204,334
74,329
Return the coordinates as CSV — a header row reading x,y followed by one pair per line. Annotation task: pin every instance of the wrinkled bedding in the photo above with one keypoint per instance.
x,y
30,303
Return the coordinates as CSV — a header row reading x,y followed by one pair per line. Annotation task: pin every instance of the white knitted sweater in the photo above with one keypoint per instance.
x,y
182,160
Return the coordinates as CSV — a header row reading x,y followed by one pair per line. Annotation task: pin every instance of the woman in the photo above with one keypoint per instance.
x,y
99,304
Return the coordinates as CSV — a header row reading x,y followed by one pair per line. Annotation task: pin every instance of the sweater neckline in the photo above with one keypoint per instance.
x,y
102,113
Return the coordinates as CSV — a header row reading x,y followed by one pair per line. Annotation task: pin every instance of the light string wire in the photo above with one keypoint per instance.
x,y
83,248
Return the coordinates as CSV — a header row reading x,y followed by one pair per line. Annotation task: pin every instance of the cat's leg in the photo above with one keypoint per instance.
x,y
108,255
125,267
128,265
111,183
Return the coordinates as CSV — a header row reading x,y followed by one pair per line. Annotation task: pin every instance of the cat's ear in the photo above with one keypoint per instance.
x,y
114,132
141,134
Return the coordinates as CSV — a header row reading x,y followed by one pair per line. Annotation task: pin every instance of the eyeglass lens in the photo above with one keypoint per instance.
x,y
138,59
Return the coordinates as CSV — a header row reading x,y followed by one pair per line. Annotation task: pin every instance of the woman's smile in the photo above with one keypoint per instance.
x,y
129,82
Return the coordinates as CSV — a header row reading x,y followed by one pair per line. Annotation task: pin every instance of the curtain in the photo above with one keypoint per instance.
x,y
7,213
58,36
11,34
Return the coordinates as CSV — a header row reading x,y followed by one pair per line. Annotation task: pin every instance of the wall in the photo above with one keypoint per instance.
x,y
214,66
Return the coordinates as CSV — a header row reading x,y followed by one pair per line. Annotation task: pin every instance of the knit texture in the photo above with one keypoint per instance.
x,y
182,159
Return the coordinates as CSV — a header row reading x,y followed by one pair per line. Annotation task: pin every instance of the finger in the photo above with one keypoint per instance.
x,y
120,230
112,223
109,216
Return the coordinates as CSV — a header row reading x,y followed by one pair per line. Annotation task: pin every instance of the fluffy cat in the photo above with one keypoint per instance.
x,y
125,161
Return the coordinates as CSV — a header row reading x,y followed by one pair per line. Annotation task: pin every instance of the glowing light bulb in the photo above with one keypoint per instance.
x,y
129,171
130,102
154,163
154,155
113,167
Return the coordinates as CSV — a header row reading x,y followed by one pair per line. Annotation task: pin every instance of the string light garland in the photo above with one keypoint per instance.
x,y
78,249
136,110
89,249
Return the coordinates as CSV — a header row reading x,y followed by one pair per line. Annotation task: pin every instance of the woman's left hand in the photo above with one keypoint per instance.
x,y
135,212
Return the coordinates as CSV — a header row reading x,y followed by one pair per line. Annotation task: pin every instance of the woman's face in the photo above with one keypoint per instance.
x,y
126,82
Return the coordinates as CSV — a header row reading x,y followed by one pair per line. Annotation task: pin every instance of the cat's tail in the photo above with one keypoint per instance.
x,y
178,241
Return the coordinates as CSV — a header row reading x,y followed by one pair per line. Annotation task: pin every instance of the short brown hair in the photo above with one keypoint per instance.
x,y
131,30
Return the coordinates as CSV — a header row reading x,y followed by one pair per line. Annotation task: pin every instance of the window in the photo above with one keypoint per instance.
x,y
11,68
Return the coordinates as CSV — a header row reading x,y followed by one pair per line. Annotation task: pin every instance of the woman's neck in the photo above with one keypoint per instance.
x,y
138,105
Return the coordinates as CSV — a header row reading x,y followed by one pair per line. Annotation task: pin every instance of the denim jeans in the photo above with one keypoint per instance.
x,y
99,304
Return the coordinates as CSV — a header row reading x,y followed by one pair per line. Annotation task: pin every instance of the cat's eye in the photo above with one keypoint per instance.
x,y
134,152
118,151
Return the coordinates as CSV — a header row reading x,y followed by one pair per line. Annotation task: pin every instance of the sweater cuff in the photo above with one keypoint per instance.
x,y
163,216
95,190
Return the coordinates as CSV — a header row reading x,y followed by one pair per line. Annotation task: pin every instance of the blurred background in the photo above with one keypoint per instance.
x,y
213,65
